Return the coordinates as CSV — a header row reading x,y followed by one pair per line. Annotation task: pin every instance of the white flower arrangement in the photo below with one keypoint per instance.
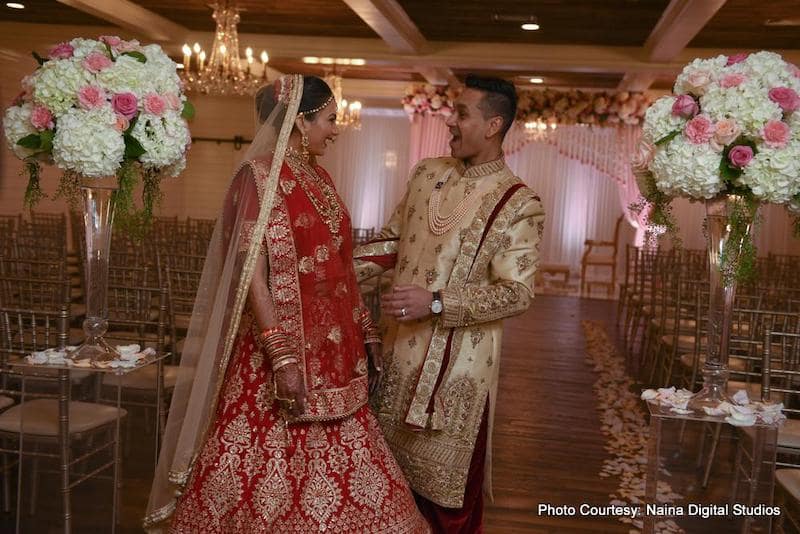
x,y
731,128
99,108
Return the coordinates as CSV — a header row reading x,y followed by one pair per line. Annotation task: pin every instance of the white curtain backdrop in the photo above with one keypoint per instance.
x,y
370,166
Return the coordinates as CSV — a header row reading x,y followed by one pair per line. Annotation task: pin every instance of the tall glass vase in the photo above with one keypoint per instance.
x,y
98,218
725,246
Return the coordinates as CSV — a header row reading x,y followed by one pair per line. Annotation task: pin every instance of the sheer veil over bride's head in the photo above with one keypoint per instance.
x,y
224,283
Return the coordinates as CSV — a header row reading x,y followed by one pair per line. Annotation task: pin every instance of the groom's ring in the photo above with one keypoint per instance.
x,y
402,312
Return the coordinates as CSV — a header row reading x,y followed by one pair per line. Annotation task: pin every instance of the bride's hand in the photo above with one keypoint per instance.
x,y
290,390
375,361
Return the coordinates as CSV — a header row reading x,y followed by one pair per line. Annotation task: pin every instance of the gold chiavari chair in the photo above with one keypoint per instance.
x,y
362,235
46,426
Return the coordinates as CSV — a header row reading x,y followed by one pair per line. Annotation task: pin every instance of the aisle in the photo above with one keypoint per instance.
x,y
548,447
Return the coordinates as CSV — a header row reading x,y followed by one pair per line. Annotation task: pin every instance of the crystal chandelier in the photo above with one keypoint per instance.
x,y
348,115
225,73
538,130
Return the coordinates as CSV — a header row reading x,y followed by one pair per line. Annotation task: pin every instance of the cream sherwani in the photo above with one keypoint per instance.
x,y
438,372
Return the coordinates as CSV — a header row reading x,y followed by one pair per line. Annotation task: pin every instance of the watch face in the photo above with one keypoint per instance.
x,y
436,306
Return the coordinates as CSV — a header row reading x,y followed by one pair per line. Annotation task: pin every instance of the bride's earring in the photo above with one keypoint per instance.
x,y
304,147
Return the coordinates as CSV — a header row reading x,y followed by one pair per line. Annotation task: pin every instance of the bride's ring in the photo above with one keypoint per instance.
x,y
402,312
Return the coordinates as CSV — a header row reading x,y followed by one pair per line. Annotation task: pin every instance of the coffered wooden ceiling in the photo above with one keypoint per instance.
x,y
592,44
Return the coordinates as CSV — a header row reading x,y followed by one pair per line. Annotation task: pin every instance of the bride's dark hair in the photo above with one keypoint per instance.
x,y
315,94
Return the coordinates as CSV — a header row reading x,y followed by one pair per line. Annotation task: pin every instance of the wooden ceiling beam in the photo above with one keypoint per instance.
x,y
132,17
390,21
680,22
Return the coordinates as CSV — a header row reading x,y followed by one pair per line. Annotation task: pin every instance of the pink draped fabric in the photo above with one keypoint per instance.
x,y
429,138
608,150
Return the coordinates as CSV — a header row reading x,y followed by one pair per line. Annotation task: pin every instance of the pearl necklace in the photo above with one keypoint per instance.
x,y
439,224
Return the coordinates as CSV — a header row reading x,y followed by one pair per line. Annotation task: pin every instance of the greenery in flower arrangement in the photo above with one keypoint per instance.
x,y
731,131
102,108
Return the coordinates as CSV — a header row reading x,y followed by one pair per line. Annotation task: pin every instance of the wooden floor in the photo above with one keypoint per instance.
x,y
547,442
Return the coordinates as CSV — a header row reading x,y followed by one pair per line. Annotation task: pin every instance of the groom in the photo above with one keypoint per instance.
x,y
463,244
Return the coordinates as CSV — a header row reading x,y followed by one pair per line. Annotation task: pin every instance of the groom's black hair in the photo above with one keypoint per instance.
x,y
499,98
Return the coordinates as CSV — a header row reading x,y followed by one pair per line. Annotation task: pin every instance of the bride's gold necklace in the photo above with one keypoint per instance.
x,y
328,208
439,224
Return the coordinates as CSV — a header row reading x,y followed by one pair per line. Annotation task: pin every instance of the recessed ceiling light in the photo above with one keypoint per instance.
x,y
15,5
530,26
311,60
358,62
326,60
536,80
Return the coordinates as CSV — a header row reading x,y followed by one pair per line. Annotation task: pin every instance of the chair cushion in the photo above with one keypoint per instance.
x,y
5,402
685,342
790,480
144,379
41,417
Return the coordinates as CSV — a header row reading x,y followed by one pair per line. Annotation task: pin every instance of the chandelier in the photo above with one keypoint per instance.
x,y
225,73
348,115
538,130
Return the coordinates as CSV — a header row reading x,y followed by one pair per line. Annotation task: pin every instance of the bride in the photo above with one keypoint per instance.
x,y
269,428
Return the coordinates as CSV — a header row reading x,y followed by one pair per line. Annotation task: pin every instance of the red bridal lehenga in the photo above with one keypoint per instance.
x,y
332,470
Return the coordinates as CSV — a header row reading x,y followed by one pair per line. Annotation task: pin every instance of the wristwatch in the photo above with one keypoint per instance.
x,y
436,303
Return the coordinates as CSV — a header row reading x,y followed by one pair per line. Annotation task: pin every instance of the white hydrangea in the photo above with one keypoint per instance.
x,y
127,75
174,170
162,70
748,103
163,138
713,66
88,142
659,120
16,125
770,69
682,168
56,84
793,120
84,47
774,174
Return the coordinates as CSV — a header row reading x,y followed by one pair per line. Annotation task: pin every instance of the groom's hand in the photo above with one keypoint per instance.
x,y
407,303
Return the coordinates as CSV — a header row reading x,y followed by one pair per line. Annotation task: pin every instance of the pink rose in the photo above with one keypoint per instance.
x,y
122,123
62,51
155,104
732,80
41,118
740,156
725,133
736,58
776,134
699,130
91,97
111,40
697,81
785,97
685,106
97,62
644,156
128,46
126,104
173,101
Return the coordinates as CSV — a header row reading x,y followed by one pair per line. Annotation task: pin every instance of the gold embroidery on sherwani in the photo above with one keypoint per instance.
x,y
436,462
417,411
